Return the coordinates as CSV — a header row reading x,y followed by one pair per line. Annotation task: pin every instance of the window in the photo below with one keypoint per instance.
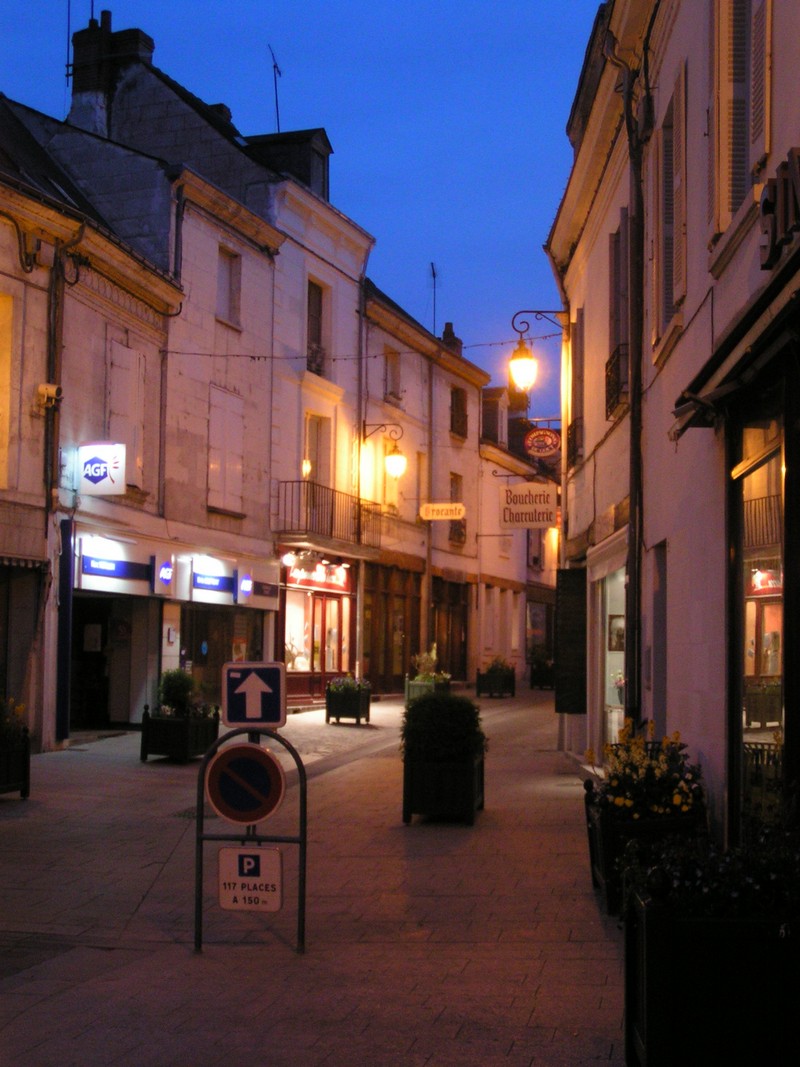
x,y
318,449
617,365
315,351
391,386
458,527
758,481
669,237
228,286
126,405
738,104
225,450
458,412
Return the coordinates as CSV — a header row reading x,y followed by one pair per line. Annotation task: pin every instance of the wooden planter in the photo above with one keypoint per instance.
x,y
496,683
15,764
608,835
348,704
708,990
414,689
180,737
443,790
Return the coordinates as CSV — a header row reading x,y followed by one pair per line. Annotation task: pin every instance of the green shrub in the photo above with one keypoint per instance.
x,y
442,728
176,690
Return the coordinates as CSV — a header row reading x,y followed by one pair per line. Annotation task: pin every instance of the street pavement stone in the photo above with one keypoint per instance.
x,y
430,944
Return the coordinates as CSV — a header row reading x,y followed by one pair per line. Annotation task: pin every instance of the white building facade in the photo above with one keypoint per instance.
x,y
674,244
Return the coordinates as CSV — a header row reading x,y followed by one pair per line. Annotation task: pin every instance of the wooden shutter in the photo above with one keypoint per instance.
x,y
679,187
760,83
126,408
570,642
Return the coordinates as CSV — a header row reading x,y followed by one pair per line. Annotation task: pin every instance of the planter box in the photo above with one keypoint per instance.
x,y
443,790
543,676
180,737
352,704
415,689
15,764
708,990
608,835
496,683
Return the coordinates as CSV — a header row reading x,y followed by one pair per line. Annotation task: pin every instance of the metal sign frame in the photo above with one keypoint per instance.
x,y
249,835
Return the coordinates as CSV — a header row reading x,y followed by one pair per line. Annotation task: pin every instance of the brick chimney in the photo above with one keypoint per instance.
x,y
98,58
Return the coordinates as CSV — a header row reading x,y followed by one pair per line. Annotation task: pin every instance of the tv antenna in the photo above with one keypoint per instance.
x,y
433,276
276,73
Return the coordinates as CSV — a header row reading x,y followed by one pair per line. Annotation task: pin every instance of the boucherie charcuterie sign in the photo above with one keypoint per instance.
x,y
531,506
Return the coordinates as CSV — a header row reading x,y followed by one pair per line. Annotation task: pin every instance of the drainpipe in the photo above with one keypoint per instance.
x,y
361,419
638,128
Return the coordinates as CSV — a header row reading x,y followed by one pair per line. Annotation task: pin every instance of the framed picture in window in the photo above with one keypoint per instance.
x,y
616,633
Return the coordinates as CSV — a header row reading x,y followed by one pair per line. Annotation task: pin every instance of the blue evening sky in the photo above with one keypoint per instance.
x,y
447,120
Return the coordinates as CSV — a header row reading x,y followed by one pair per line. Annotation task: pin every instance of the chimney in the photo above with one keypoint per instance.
x,y
98,58
449,338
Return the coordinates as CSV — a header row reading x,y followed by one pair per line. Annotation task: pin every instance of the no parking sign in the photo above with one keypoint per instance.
x,y
245,783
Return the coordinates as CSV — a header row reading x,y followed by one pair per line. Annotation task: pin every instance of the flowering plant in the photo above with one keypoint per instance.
x,y
12,721
646,778
425,665
347,684
760,879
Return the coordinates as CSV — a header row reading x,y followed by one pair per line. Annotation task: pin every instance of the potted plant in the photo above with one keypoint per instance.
x,y
443,747
347,698
649,790
15,749
711,943
542,671
497,680
427,678
183,726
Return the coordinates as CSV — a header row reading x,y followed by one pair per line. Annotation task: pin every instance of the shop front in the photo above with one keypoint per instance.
x,y
392,607
132,608
318,622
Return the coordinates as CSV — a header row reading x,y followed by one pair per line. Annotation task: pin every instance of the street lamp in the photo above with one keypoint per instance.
x,y
394,460
523,365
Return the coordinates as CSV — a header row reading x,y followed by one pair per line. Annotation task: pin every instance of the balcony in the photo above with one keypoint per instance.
x,y
617,382
315,359
309,510
458,532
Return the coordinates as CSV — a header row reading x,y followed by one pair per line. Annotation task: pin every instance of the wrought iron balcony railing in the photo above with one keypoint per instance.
x,y
315,359
458,531
574,442
617,382
312,510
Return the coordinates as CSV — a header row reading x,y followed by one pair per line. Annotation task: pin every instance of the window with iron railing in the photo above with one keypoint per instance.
x,y
458,531
574,442
315,351
617,382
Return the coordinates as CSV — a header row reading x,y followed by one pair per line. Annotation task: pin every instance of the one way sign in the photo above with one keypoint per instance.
x,y
254,694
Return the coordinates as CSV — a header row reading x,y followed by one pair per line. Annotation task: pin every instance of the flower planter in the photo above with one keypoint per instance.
x,y
348,704
609,833
496,683
415,688
443,790
708,990
181,738
15,764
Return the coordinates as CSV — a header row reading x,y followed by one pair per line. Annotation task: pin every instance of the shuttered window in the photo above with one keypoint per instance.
x,y
225,450
126,407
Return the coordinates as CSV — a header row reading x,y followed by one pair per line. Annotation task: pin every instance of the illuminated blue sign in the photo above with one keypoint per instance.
x,y
213,583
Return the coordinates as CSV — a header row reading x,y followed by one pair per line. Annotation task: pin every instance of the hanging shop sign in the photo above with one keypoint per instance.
x,y
531,506
779,210
542,442
101,469
765,582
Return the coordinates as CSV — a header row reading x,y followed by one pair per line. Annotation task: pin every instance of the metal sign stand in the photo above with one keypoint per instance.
x,y
249,836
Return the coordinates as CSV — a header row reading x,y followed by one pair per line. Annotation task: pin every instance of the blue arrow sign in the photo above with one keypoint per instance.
x,y
254,694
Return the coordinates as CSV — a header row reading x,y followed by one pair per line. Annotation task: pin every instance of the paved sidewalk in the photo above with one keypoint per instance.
x,y
430,944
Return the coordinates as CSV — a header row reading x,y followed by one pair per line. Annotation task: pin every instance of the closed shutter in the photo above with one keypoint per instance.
x,y
570,642
679,188
760,84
